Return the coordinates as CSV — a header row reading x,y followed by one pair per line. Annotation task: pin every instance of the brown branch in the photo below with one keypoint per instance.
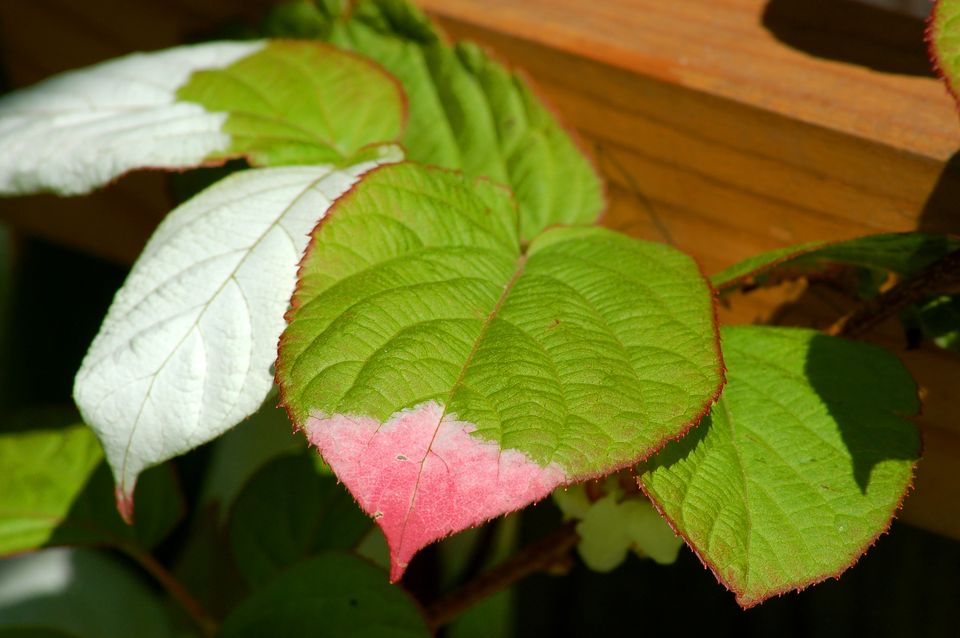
x,y
541,555
482,549
193,608
941,277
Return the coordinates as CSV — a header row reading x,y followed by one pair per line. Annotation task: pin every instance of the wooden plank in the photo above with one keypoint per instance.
x,y
730,48
754,159
42,37
112,223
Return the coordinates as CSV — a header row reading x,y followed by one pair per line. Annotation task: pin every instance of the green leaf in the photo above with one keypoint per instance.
x,y
33,632
58,491
467,112
612,527
943,36
83,592
93,518
289,512
44,472
295,102
331,595
901,253
487,367
272,102
940,321
801,466
614,522
240,453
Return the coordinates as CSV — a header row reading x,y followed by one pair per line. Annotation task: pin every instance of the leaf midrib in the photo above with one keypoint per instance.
x,y
231,277
484,328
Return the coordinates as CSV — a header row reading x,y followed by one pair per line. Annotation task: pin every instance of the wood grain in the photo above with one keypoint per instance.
x,y
724,48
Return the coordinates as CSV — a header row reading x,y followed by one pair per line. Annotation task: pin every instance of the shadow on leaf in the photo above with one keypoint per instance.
x,y
868,397
93,518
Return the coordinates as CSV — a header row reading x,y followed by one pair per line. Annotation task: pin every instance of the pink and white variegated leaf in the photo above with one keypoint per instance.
x,y
273,102
449,372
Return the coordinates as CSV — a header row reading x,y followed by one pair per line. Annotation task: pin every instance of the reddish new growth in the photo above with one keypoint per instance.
x,y
422,476
124,504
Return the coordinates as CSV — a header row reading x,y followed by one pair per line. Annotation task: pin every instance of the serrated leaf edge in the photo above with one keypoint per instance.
x,y
933,54
742,598
572,479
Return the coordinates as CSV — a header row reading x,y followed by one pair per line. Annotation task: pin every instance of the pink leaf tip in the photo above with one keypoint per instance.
x,y
124,504
422,476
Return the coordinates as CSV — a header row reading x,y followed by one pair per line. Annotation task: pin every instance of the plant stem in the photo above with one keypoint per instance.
x,y
480,554
541,555
941,277
193,608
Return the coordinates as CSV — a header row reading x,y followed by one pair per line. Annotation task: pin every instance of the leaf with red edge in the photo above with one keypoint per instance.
x,y
467,111
57,491
450,373
801,465
185,351
901,253
943,38
272,102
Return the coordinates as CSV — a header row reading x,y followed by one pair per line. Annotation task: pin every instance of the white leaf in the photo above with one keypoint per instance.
x,y
186,350
79,130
